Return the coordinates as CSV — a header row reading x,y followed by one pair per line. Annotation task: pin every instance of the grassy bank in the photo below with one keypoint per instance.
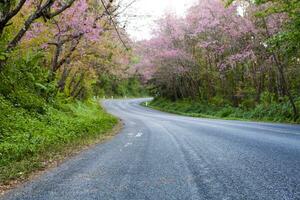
x,y
30,140
262,112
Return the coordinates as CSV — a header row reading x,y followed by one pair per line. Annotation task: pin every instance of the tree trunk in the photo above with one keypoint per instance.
x,y
73,80
63,79
54,68
73,92
283,81
285,86
56,63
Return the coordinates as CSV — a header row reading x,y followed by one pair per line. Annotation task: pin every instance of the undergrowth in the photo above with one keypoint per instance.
x,y
28,140
37,123
269,112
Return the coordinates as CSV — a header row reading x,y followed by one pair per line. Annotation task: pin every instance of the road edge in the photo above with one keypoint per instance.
x,y
69,153
211,117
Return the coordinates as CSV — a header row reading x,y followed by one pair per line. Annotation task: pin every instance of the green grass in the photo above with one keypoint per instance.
x,y
262,112
29,140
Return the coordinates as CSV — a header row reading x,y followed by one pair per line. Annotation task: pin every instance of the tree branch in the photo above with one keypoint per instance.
x,y
71,50
59,11
37,14
114,25
4,20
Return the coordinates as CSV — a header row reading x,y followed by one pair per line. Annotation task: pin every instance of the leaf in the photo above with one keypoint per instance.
x,y
2,57
40,86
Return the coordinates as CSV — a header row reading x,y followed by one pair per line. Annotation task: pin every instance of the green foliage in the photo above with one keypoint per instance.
x,y
267,99
27,138
36,124
268,110
219,101
112,86
24,81
40,116
287,40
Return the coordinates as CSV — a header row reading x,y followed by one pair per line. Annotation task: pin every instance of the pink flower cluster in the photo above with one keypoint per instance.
x,y
211,29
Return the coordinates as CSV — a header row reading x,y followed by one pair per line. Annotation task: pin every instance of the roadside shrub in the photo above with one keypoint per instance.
x,y
248,104
24,82
26,138
267,98
110,85
218,101
268,110
225,112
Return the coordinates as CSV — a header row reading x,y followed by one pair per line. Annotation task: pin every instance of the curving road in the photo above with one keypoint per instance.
x,y
162,156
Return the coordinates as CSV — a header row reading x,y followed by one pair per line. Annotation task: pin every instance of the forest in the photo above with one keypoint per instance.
x,y
57,57
223,59
227,59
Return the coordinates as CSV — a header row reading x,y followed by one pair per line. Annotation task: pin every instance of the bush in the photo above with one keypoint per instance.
x,y
110,85
218,101
248,104
267,98
225,112
26,138
24,83
268,110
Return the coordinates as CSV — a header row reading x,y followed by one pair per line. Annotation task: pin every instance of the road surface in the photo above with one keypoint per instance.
x,y
160,156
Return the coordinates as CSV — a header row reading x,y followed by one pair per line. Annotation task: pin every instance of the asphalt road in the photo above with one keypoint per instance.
x,y
162,156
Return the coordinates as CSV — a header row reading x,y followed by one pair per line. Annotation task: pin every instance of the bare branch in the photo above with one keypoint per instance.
x,y
127,6
114,25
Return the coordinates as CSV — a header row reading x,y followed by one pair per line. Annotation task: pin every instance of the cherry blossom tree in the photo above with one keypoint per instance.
x,y
220,51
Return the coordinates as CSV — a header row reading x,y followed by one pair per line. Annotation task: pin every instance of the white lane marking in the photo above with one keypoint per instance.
x,y
128,144
130,134
139,134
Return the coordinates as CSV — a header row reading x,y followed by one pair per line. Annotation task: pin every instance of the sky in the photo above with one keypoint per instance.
x,y
141,15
